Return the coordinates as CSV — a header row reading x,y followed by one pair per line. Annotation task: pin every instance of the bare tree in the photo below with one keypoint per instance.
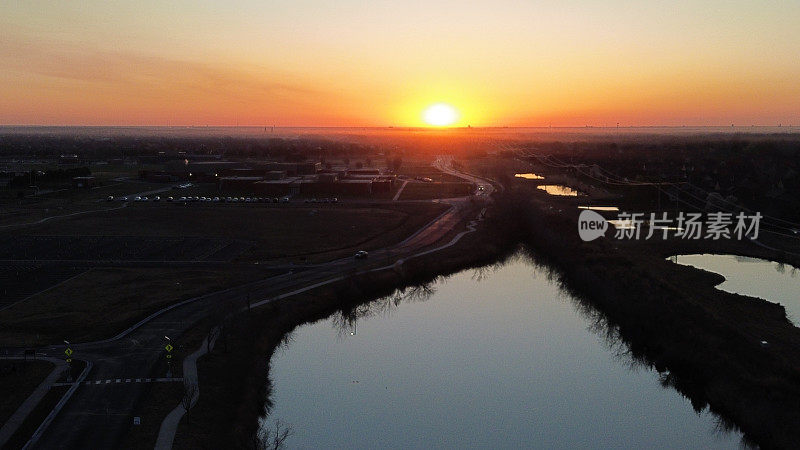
x,y
274,438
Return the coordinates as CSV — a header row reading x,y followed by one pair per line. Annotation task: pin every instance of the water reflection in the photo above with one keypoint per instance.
x,y
557,189
600,208
344,322
770,280
529,176
494,357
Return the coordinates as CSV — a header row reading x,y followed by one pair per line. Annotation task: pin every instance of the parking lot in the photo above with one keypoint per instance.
x,y
218,199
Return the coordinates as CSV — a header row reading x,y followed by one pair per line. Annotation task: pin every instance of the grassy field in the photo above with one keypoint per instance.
x,y
272,231
425,191
64,200
427,171
18,379
78,310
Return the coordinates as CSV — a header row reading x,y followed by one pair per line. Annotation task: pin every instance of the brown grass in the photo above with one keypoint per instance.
x,y
102,302
420,191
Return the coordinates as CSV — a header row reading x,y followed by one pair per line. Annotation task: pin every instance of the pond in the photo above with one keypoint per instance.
x,y
499,358
557,189
600,208
529,176
776,282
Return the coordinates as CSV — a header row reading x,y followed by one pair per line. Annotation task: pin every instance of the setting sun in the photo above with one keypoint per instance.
x,y
440,115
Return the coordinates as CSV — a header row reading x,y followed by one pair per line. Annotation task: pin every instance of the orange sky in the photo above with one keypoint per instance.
x,y
378,63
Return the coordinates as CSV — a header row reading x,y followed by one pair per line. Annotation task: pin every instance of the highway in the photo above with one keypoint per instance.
x,y
98,414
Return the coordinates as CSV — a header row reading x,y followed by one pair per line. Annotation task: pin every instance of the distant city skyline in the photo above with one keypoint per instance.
x,y
382,63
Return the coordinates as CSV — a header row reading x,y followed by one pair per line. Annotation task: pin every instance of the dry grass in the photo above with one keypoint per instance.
x,y
420,191
101,302
275,231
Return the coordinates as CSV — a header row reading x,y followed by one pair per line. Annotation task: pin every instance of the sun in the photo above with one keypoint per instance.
x,y
440,115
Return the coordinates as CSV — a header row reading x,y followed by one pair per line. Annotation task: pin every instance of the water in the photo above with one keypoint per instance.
x,y
776,282
529,176
490,360
557,189
600,208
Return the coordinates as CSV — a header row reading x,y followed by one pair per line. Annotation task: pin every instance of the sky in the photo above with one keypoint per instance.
x,y
381,63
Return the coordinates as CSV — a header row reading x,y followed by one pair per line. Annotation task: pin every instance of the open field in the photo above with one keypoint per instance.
x,y
426,191
18,379
104,301
220,232
425,170
122,248
18,281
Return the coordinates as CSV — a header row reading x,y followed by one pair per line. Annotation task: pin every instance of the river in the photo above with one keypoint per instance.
x,y
499,357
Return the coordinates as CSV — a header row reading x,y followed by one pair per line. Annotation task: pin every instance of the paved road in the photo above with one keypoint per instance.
x,y
98,415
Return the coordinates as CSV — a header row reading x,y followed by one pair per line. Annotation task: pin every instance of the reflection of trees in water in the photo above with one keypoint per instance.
x,y
631,351
483,272
781,269
344,321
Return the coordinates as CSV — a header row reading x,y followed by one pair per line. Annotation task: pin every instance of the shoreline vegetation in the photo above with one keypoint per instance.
x,y
704,343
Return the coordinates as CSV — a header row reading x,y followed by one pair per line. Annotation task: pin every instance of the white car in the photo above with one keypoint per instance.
x,y
361,254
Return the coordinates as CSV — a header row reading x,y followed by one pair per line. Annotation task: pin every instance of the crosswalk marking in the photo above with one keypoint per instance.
x,y
124,380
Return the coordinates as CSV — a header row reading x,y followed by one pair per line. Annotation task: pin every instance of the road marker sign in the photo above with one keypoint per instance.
x,y
169,356
69,360
168,347
68,352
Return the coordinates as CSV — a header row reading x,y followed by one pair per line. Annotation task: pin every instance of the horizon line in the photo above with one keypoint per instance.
x,y
383,127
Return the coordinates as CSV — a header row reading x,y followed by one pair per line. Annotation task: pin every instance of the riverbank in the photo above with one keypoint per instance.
x,y
708,343
234,378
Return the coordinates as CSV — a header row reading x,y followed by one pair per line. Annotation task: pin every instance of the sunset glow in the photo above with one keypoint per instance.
x,y
350,63
440,115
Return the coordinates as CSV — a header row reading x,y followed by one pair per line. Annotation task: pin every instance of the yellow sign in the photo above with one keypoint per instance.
x,y
169,356
168,347
68,352
69,360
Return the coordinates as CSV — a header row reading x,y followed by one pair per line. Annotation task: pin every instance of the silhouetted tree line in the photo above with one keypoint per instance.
x,y
96,148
